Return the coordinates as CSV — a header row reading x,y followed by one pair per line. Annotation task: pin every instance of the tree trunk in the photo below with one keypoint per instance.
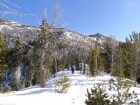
x,y
135,71
15,78
96,65
42,69
84,68
55,67
112,60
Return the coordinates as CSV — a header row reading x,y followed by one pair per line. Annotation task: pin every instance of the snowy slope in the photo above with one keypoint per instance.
x,y
47,96
12,29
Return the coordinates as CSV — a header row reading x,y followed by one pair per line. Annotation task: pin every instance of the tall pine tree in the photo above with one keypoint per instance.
x,y
15,58
94,61
3,56
43,46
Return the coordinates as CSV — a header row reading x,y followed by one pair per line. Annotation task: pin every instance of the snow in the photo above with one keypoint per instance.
x,y
47,96
5,27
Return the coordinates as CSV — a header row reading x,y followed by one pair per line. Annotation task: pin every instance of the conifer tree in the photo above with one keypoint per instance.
x,y
15,58
3,56
135,39
129,59
110,50
119,62
32,78
94,61
101,61
43,43
107,55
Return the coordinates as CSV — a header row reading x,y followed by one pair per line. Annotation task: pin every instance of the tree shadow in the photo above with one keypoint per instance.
x,y
35,92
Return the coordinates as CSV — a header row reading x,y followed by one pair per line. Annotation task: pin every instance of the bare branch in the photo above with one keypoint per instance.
x,y
2,4
15,13
12,3
38,20
57,15
10,10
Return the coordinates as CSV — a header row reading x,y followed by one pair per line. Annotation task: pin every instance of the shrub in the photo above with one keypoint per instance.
x,y
122,87
98,95
62,83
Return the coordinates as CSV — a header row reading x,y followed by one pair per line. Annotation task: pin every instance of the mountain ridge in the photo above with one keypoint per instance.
x,y
12,29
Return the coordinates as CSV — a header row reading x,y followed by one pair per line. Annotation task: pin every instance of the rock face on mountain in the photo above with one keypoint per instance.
x,y
98,37
27,33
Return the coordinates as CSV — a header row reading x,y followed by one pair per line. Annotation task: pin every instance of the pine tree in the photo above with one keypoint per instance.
x,y
62,83
119,62
32,78
3,56
94,61
107,55
128,59
110,50
43,43
101,61
97,96
135,39
15,57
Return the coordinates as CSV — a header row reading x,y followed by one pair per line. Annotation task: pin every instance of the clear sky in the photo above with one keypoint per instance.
x,y
108,17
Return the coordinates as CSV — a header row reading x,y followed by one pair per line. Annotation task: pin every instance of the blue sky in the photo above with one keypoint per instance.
x,y
108,17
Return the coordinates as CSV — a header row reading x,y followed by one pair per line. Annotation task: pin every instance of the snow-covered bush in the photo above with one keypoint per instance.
x,y
62,83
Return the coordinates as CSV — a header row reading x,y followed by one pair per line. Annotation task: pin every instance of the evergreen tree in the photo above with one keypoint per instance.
x,y
110,53
43,46
119,62
94,61
101,61
62,83
135,39
15,58
129,59
107,55
124,61
3,56
32,72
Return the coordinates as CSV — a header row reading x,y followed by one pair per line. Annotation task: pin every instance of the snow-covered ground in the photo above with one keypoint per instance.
x,y
47,96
